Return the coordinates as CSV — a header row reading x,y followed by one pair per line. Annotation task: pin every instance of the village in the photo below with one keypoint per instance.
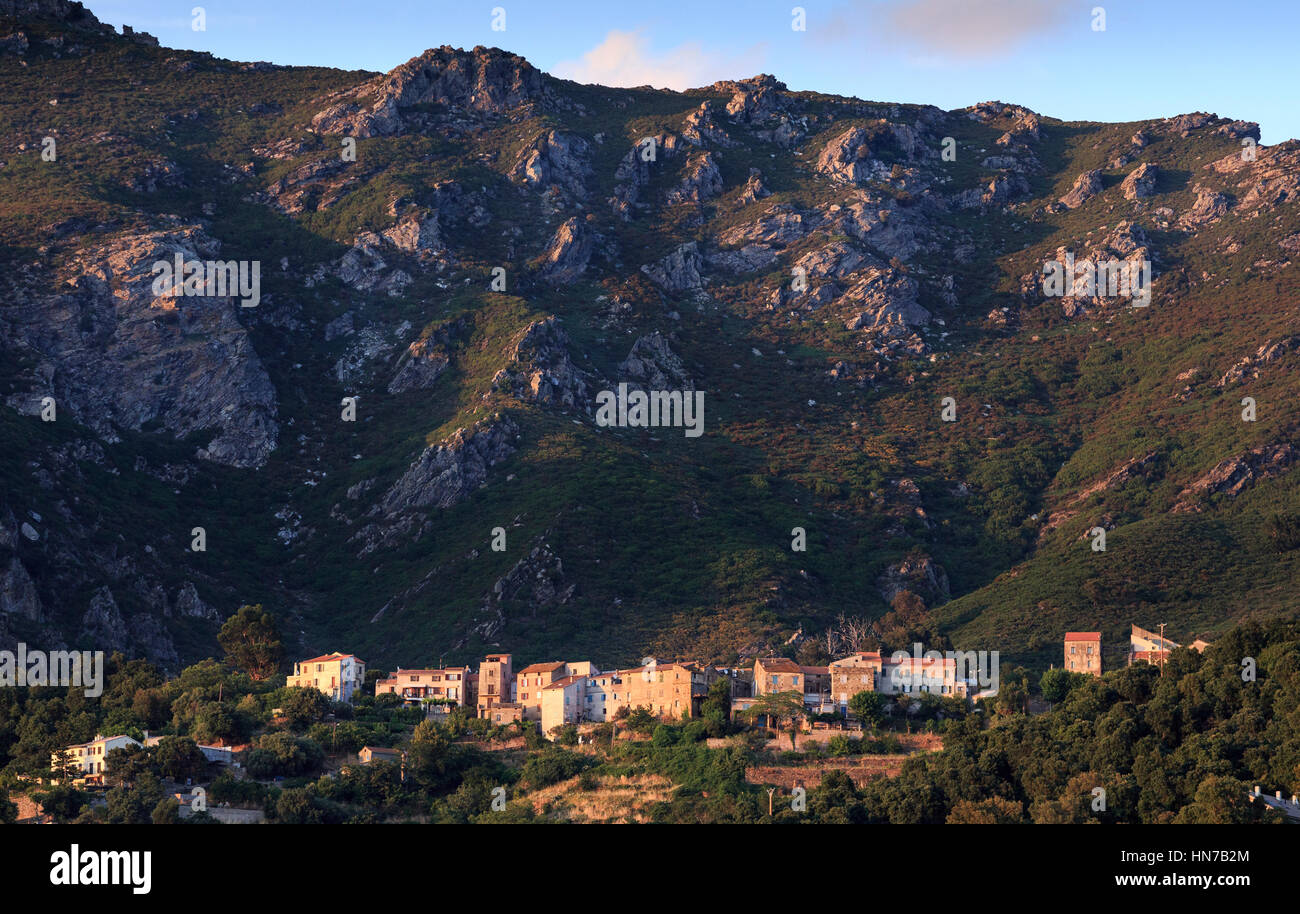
x,y
547,697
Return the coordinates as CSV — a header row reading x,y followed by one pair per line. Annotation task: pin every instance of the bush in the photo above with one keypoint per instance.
x,y
283,754
236,791
553,766
840,746
664,735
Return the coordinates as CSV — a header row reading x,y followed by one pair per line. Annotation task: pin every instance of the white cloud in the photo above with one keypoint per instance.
x,y
625,59
955,28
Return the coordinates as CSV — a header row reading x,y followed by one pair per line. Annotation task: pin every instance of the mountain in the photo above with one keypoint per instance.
x,y
478,253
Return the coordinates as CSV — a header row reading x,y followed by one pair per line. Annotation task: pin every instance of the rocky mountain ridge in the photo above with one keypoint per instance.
x,y
468,250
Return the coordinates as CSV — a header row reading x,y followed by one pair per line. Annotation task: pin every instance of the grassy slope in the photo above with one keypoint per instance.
x,y
682,547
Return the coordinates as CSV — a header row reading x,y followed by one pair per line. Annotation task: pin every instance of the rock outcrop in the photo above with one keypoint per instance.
x,y
917,573
652,365
702,180
555,159
1084,188
1235,475
447,473
679,272
568,252
119,356
486,81
849,157
541,369
1141,182
883,300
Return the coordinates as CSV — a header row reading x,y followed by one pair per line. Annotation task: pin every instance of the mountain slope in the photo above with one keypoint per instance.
x,y
815,264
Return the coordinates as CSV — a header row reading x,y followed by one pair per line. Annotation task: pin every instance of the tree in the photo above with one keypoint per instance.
x,y
303,706
716,708
1222,801
868,707
641,720
128,764
1057,683
134,805
283,754
992,810
62,803
778,707
1013,694
297,807
167,812
178,757
64,767
836,800
252,642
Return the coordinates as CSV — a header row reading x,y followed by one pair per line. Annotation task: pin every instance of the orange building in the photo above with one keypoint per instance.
x,y
414,686
1083,652
529,683
495,681
670,690
777,674
338,675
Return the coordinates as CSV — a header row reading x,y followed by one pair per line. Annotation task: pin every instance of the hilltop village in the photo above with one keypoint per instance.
x,y
548,697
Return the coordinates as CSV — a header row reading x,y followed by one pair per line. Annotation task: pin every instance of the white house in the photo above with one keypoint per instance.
x,y
88,759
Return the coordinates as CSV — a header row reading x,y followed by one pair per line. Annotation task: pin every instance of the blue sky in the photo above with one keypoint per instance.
x,y
1154,58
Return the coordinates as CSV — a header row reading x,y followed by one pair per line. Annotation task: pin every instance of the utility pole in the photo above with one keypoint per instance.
x,y
770,791
1162,649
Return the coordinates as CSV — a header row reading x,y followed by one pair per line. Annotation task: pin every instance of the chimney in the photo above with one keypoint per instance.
x,y
1278,795
1256,790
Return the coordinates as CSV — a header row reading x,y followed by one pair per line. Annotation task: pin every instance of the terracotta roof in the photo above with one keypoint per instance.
x,y
1083,636
779,665
816,670
541,667
561,683
328,657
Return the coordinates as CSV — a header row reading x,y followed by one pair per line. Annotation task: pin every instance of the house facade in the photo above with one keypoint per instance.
x,y
858,672
88,761
496,680
414,686
340,676
1083,652
777,674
